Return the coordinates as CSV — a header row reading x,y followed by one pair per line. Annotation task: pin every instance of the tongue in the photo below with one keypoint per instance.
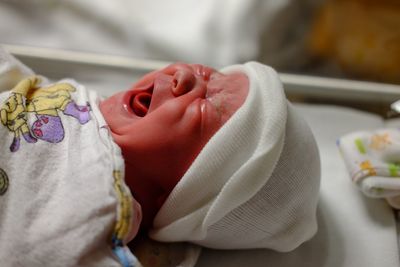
x,y
141,103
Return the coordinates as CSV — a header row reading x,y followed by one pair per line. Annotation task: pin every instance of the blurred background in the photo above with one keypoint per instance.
x,y
353,39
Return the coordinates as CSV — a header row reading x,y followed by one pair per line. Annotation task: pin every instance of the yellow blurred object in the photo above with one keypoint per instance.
x,y
362,36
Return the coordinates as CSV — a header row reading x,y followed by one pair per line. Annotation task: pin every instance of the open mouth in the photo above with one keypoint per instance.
x,y
140,102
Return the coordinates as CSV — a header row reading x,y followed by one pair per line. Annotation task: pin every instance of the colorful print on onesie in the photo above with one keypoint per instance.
x,y
45,103
373,160
3,182
122,228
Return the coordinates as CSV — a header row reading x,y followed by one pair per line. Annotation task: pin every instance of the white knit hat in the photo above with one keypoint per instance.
x,y
255,183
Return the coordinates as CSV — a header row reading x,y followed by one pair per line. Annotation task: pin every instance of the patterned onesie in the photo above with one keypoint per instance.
x,y
63,198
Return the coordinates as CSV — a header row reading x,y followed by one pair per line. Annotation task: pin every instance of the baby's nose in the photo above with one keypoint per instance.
x,y
184,81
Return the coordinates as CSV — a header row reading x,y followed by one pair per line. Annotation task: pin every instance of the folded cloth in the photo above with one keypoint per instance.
x,y
255,183
373,160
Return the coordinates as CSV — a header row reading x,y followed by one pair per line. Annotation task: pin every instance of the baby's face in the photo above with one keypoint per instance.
x,y
163,122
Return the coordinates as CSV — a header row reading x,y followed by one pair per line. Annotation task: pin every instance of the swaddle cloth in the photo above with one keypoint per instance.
x,y
255,183
373,161
63,199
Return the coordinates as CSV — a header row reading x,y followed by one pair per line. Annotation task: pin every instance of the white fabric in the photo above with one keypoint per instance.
x,y
372,158
255,183
353,230
60,206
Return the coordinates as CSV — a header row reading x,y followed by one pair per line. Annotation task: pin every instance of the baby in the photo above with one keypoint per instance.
x,y
163,122
216,158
